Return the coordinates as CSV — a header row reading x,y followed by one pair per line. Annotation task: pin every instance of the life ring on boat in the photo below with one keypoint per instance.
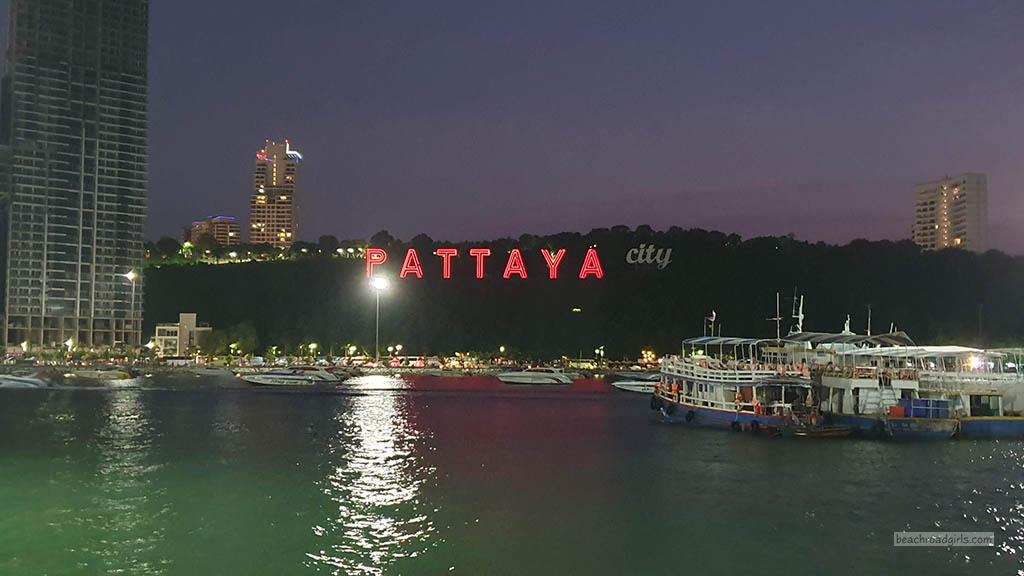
x,y
736,427
758,409
655,403
755,426
669,409
689,415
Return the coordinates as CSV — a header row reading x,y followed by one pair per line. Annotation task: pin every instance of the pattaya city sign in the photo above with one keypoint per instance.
x,y
514,264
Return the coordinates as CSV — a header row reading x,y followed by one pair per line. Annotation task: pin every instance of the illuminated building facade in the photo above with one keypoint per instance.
x,y
272,207
952,213
224,229
74,116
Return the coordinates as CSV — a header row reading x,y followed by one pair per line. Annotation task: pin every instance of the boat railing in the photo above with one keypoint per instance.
x,y
681,397
740,372
870,373
955,381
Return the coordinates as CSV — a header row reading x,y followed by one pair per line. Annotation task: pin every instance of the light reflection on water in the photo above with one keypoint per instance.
x,y
375,515
126,516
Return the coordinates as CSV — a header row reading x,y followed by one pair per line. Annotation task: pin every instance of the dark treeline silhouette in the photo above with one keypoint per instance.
x,y
937,297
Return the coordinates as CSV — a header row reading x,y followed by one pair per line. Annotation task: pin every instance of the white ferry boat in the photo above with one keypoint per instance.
x,y
535,376
293,376
937,390
735,383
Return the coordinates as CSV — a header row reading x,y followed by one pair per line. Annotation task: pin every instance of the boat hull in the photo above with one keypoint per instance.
x,y
703,416
992,427
905,428
908,428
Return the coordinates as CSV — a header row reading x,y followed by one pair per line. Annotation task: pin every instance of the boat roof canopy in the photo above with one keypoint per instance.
x,y
920,351
815,338
724,341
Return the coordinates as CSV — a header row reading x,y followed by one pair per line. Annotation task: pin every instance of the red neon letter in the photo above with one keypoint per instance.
x,y
446,260
374,257
591,265
411,264
515,265
479,254
553,261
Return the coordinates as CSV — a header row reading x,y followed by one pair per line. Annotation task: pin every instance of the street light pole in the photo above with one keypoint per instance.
x,y
378,284
132,275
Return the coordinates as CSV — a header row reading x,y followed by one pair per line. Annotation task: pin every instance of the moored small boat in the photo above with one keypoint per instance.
x,y
823,431
12,381
641,386
535,376
294,376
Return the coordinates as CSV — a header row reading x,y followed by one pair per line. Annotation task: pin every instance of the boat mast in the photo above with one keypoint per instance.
x,y
798,314
777,319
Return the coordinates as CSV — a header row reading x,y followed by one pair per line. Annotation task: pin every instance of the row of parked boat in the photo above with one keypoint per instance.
x,y
842,384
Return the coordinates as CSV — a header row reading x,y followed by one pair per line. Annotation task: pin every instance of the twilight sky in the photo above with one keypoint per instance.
x,y
472,120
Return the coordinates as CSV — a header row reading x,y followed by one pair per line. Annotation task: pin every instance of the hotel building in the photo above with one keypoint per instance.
x,y
74,130
272,207
224,229
180,338
952,213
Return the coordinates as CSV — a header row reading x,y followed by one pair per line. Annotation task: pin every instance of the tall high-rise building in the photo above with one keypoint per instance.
x,y
952,213
224,229
273,207
74,117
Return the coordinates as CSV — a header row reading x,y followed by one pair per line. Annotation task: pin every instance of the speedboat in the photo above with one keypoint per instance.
x,y
294,376
12,381
103,373
641,386
535,376
638,375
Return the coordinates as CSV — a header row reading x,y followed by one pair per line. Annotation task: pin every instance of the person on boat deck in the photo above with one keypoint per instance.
x,y
798,402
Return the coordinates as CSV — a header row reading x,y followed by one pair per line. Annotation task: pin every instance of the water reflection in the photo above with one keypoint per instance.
x,y
127,520
375,515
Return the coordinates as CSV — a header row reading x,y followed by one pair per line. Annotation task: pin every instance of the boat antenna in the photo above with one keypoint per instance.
x,y
869,319
777,319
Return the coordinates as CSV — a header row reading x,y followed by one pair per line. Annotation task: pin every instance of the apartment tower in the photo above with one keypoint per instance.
x,y
272,207
952,213
74,132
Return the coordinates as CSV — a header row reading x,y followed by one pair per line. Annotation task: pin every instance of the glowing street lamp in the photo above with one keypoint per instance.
x,y
352,350
379,284
398,348
501,349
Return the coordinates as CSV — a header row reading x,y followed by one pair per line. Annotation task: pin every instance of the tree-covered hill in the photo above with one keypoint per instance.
x,y
937,297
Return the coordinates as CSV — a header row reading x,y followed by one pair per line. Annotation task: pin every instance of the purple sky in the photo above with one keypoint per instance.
x,y
472,120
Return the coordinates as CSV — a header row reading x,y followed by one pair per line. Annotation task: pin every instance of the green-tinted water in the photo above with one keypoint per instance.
x,y
392,481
